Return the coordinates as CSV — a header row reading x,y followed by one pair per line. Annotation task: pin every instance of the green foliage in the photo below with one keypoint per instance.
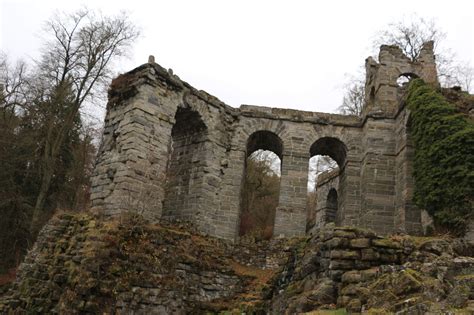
x,y
444,157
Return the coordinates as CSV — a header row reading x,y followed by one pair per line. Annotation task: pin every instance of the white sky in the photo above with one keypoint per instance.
x,y
292,54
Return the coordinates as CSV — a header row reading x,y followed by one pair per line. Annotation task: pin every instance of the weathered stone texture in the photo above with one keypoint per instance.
x,y
357,270
89,265
172,152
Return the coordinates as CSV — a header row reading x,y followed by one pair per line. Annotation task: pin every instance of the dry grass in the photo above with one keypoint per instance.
x,y
8,277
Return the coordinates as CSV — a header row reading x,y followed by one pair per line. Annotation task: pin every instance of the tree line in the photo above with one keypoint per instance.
x,y
47,145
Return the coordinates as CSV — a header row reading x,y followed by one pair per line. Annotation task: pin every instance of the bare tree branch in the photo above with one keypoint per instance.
x,y
13,82
76,62
411,34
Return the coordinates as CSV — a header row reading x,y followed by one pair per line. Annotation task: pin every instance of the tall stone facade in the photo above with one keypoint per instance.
x,y
170,151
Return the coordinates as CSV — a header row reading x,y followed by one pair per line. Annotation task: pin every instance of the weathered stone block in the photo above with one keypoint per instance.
x,y
336,242
386,243
344,254
341,264
351,277
360,243
369,254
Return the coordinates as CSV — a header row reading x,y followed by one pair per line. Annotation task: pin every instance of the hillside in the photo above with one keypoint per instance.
x,y
84,265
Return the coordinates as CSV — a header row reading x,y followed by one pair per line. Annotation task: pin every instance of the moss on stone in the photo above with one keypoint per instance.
x,y
386,242
339,311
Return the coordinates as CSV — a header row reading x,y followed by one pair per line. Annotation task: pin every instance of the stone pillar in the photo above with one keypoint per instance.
x,y
130,167
378,176
290,217
227,215
349,202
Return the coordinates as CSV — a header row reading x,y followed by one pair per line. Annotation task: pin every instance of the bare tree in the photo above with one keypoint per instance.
x,y
353,100
319,164
75,64
13,82
463,77
412,34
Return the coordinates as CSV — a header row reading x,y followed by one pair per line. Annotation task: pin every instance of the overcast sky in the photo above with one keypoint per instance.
x,y
293,54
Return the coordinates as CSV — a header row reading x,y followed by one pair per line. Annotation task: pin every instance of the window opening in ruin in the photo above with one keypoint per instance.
x,y
261,187
331,206
326,165
405,78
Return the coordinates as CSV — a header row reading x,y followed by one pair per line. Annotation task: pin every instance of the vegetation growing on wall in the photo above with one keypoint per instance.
x,y
444,157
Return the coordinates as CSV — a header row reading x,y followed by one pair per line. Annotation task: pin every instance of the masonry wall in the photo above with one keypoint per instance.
x,y
378,176
172,152
185,169
407,215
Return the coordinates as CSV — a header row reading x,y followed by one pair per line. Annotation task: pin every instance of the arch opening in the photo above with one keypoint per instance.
x,y
185,169
261,186
326,166
404,79
264,140
331,147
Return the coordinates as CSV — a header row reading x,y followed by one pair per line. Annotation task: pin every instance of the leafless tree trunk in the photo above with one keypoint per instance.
x,y
76,62
354,96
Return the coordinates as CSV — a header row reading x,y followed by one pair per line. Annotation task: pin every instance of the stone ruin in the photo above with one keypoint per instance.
x,y
171,152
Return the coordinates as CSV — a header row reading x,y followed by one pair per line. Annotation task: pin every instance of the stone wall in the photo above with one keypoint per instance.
x,y
170,151
357,270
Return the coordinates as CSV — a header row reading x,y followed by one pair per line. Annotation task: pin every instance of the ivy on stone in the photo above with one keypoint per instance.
x,y
444,157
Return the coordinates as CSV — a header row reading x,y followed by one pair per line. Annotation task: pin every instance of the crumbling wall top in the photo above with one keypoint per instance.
x,y
126,85
383,88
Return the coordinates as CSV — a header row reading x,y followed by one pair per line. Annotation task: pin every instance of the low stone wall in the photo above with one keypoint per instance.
x,y
271,254
357,270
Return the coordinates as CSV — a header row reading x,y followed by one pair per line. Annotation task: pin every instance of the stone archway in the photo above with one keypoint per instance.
x,y
261,185
332,147
329,183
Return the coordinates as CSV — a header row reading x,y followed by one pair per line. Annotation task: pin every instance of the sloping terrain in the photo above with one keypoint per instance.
x,y
84,265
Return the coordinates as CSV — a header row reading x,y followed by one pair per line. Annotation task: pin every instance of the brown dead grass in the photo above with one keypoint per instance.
x,y
8,277
262,276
